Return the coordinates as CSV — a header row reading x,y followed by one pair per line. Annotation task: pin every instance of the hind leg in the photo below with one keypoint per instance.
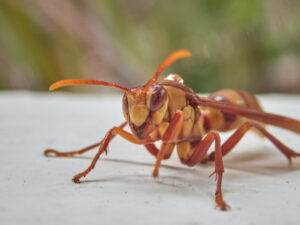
x,y
239,133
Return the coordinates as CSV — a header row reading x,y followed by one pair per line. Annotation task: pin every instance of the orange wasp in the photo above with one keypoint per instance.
x,y
168,111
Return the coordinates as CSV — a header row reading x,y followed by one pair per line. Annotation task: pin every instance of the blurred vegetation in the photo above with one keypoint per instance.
x,y
250,44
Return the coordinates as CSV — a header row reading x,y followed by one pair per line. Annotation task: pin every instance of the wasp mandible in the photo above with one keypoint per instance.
x,y
168,111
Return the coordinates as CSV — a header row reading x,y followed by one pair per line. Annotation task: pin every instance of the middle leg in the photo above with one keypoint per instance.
x,y
49,152
200,150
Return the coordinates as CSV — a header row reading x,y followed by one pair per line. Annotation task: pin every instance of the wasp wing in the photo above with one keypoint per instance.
x,y
267,118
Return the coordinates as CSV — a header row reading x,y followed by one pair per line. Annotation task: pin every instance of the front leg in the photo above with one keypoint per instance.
x,y
110,134
170,136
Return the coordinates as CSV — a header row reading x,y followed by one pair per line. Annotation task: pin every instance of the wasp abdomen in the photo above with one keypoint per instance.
x,y
218,120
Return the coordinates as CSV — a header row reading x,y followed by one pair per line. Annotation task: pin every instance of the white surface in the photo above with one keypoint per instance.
x,y
258,184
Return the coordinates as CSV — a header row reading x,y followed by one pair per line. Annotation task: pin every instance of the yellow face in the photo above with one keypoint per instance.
x,y
145,110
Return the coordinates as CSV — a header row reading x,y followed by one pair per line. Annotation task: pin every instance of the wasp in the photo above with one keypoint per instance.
x,y
167,111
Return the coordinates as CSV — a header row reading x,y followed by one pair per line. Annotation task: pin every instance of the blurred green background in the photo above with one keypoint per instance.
x,y
242,44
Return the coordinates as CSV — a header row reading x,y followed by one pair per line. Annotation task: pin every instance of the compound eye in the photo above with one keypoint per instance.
x,y
158,98
125,106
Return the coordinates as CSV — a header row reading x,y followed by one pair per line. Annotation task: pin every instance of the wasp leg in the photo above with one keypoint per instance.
x,y
154,150
170,136
239,133
200,151
49,152
104,144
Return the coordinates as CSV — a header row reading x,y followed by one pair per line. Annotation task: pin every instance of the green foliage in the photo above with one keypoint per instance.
x,y
234,43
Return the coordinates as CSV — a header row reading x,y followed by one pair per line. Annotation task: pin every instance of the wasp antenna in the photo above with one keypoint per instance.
x,y
63,83
182,53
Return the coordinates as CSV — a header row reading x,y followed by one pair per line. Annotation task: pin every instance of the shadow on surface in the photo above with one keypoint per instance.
x,y
260,162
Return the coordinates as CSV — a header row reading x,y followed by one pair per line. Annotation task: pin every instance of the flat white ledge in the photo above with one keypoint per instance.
x,y
258,184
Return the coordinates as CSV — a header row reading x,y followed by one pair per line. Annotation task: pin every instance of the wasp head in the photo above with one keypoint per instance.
x,y
145,110
143,107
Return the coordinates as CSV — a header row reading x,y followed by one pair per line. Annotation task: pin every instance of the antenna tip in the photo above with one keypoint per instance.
x,y
182,53
52,87
186,53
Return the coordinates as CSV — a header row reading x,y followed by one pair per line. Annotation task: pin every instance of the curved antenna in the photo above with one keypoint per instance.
x,y
168,61
63,83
